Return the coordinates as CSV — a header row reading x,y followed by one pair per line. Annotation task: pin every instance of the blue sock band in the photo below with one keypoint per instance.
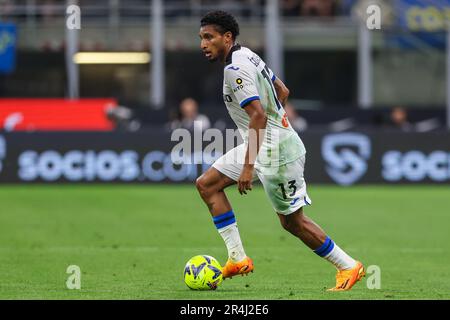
x,y
224,219
325,248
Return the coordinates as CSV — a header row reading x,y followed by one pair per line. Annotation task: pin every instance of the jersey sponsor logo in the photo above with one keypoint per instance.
x,y
346,155
2,152
239,87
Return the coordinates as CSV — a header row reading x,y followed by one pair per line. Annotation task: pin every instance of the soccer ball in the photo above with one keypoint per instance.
x,y
203,272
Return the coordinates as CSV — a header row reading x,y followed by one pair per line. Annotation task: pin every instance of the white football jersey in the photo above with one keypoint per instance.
x,y
247,78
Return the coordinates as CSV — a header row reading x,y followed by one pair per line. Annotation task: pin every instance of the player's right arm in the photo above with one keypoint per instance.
x,y
282,91
242,80
257,126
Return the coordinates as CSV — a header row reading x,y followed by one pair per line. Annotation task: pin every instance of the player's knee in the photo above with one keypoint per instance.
x,y
295,229
285,224
201,185
293,224
289,226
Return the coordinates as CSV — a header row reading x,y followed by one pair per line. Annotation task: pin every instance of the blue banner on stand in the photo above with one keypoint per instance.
x,y
424,23
8,38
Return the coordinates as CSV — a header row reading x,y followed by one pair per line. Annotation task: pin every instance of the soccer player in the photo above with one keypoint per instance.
x,y
254,97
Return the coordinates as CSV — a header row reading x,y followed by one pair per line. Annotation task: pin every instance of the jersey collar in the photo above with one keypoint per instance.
x,y
228,59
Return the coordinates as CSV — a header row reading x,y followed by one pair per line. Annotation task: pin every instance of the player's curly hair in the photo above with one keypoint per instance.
x,y
223,21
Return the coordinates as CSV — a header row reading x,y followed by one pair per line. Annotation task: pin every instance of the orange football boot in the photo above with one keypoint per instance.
x,y
345,279
232,269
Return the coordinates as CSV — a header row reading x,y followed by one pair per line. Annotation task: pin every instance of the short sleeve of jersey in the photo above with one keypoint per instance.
x,y
242,82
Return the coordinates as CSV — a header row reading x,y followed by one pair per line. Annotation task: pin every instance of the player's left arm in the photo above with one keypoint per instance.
x,y
257,126
282,91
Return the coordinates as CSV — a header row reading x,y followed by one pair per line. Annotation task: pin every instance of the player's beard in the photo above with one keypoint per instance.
x,y
219,57
215,57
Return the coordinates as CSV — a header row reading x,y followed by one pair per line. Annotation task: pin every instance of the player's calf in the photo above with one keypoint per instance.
x,y
349,270
210,186
303,228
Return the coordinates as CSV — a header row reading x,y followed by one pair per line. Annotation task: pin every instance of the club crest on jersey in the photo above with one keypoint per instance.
x,y
239,81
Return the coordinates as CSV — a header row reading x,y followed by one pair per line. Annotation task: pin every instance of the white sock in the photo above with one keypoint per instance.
x,y
230,234
331,252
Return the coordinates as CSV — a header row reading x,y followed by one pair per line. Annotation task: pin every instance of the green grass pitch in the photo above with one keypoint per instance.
x,y
132,241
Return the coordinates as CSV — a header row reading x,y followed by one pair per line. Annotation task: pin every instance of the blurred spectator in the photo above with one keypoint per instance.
x,y
123,118
290,8
298,123
189,117
378,119
6,7
345,6
399,119
318,8
49,10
